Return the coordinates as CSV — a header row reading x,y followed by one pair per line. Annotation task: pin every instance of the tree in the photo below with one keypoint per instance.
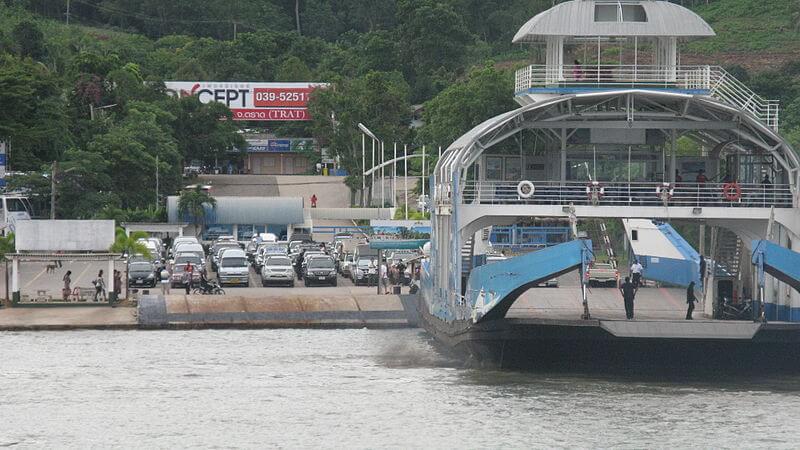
x,y
32,116
432,36
205,132
129,244
378,99
7,245
485,93
192,204
28,40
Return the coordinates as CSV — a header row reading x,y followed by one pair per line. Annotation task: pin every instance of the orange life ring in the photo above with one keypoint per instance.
x,y
732,191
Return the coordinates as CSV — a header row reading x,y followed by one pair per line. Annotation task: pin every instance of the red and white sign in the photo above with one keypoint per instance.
x,y
252,101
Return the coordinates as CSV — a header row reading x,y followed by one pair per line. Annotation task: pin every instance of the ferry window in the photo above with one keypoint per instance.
x,y
605,13
633,13
15,205
618,12
513,169
494,168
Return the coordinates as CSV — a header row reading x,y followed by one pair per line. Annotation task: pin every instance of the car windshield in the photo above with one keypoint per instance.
x,y
182,260
320,263
225,247
364,263
602,266
234,262
140,267
278,261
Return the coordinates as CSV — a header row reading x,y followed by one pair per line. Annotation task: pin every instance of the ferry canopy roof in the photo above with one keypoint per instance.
x,y
604,18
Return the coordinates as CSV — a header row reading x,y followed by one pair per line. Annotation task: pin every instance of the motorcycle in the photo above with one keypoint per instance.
x,y
209,288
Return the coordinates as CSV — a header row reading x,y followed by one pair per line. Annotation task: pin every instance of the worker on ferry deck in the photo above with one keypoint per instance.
x,y
628,291
636,272
690,299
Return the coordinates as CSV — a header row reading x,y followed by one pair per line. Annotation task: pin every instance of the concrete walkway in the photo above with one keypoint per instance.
x,y
67,318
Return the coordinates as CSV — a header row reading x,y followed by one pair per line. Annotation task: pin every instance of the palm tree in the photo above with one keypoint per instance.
x,y
130,245
192,203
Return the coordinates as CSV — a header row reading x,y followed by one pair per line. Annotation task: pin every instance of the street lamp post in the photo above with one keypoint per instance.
x,y
374,138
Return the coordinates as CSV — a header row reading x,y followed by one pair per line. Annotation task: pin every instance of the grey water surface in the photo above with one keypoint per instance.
x,y
355,389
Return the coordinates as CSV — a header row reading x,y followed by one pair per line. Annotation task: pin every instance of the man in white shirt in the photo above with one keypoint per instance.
x,y
384,274
636,273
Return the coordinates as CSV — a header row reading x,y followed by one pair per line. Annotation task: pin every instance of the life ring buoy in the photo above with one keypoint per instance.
x,y
665,189
526,189
595,191
732,191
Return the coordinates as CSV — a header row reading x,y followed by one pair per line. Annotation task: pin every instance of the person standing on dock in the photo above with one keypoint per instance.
x,y
690,299
99,287
628,291
67,288
636,273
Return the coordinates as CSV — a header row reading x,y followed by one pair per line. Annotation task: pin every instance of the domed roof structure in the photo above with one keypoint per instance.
x,y
593,18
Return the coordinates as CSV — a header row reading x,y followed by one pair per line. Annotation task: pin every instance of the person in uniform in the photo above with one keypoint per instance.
x,y
628,291
690,299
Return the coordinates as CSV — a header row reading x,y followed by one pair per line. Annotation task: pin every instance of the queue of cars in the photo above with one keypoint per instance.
x,y
275,263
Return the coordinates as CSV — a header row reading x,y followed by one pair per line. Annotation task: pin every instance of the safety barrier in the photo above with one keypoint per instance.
x,y
708,80
734,195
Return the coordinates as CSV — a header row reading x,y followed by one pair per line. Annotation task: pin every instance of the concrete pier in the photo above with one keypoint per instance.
x,y
275,311
68,318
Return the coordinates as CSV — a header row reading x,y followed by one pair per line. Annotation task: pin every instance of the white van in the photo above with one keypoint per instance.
x,y
233,268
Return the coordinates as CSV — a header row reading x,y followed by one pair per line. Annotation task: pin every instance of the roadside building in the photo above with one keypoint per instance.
x,y
279,156
244,217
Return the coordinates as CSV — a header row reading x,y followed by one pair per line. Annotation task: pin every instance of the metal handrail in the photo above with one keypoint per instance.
x,y
712,80
752,195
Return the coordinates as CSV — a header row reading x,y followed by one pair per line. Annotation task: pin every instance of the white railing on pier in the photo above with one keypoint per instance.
x,y
710,80
748,195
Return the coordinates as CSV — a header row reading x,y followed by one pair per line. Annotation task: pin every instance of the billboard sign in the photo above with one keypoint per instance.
x,y
279,145
252,101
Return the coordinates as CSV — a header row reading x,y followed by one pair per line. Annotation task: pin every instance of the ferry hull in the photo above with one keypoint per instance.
x,y
586,345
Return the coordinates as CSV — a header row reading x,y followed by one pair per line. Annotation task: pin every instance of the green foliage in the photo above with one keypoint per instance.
x,y
129,245
484,93
750,26
28,40
400,214
378,99
192,203
7,246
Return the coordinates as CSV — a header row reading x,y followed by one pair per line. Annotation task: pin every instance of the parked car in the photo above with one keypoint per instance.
x,y
307,256
602,274
232,268
142,273
320,270
345,268
176,280
277,269
219,250
180,240
365,272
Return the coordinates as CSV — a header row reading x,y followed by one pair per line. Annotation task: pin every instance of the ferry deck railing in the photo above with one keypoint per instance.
x,y
708,80
686,194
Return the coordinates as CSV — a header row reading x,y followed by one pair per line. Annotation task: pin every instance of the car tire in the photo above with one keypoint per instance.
x,y
335,283
306,283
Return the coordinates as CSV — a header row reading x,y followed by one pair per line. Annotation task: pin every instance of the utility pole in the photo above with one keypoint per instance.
x,y
156,182
53,191
67,14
